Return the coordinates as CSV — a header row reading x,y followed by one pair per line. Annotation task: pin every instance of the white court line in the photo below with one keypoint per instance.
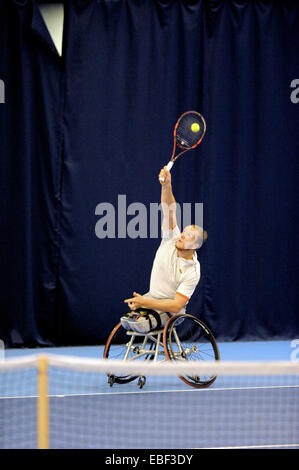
x,y
139,392
266,446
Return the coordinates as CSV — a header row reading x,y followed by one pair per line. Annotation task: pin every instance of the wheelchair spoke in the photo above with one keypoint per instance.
x,y
187,339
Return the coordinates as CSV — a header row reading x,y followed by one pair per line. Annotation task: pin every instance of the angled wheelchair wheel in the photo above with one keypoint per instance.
x,y
186,338
121,346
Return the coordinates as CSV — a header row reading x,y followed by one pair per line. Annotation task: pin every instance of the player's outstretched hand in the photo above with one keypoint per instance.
x,y
165,175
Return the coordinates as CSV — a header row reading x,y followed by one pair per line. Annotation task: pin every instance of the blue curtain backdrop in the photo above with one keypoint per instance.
x,y
96,124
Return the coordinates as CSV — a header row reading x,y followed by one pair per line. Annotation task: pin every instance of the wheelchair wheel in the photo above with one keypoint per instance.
x,y
116,348
186,338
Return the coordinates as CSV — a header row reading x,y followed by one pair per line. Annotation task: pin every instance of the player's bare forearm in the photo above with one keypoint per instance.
x,y
165,305
168,202
167,195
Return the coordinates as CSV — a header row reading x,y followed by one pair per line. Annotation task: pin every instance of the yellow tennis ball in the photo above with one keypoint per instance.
x,y
195,127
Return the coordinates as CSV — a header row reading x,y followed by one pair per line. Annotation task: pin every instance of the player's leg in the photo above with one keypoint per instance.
x,y
144,320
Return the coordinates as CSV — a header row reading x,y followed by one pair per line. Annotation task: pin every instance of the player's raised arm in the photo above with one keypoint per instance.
x,y
168,202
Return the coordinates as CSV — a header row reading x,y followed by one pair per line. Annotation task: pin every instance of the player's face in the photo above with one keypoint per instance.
x,y
186,239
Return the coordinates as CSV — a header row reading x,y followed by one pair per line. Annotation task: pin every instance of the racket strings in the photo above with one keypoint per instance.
x,y
185,136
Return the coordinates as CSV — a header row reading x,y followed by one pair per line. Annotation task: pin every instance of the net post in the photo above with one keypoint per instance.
x,y
42,404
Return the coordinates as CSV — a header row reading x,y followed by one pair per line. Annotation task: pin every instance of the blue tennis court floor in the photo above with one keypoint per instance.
x,y
229,351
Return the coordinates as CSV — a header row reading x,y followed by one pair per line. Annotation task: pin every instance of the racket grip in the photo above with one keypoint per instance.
x,y
168,166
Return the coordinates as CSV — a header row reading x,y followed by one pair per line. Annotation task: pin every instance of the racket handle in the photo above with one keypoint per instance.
x,y
168,166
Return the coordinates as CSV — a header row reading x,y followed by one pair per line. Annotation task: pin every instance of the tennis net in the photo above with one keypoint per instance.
x,y
52,401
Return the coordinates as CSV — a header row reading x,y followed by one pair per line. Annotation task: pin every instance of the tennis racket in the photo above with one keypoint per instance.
x,y
188,134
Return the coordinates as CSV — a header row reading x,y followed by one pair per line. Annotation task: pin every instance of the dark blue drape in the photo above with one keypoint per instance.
x,y
95,126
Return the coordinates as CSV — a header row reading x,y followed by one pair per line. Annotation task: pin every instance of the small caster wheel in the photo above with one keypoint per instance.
x,y
141,382
111,380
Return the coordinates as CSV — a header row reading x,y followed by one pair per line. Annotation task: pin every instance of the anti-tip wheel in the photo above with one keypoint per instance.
x,y
111,380
141,382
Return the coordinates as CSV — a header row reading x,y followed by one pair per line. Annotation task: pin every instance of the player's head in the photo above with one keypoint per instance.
x,y
191,238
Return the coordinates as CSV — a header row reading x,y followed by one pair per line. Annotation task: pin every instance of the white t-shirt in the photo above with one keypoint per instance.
x,y
172,274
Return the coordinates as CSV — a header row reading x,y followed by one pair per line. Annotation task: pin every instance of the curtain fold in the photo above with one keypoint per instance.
x,y
92,129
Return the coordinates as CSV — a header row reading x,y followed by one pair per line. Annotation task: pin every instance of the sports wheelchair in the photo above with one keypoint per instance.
x,y
183,338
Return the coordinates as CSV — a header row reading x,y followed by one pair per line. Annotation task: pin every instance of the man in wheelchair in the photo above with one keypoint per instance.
x,y
175,272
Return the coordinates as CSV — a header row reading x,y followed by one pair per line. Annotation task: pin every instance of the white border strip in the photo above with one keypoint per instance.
x,y
109,366
23,362
265,446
